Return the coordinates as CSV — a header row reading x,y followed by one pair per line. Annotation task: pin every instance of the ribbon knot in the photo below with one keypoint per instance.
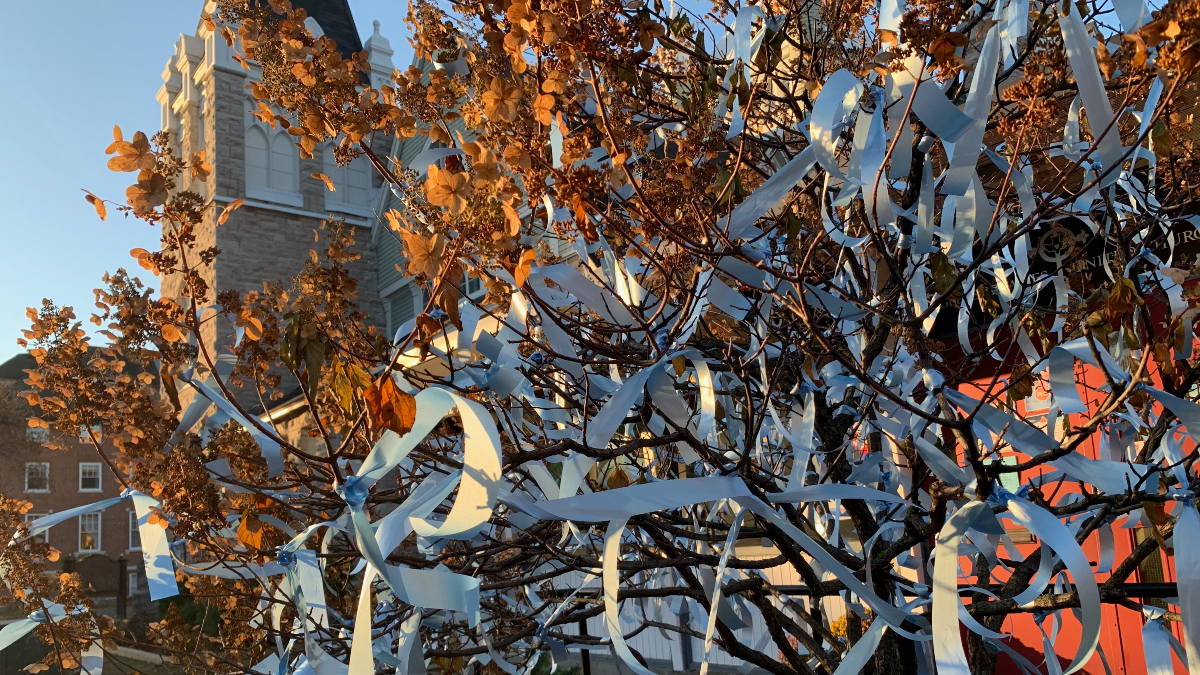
x,y
352,491
40,616
286,557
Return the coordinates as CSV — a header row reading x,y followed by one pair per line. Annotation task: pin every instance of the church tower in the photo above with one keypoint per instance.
x,y
207,106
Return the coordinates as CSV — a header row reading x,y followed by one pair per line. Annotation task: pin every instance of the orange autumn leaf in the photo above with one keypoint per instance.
x,y
389,407
150,191
943,48
521,273
250,531
449,189
543,107
233,206
132,155
98,204
424,252
325,179
200,168
501,99
171,333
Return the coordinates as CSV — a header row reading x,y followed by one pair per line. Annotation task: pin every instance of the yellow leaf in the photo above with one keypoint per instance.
x,y
328,183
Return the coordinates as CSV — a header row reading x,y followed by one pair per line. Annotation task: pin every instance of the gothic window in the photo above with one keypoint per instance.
x,y
258,164
272,163
284,160
353,186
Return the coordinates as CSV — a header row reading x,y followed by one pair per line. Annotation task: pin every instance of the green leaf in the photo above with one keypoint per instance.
x,y
314,358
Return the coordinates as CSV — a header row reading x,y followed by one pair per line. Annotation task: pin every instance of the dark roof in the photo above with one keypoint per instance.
x,y
14,368
337,21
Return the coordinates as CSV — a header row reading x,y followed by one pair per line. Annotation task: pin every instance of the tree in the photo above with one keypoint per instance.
x,y
801,306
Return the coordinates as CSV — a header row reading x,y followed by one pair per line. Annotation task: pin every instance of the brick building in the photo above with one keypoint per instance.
x,y
56,480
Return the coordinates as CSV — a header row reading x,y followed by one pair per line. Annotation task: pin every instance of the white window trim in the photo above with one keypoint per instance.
x,y
99,477
133,525
350,209
267,194
30,517
131,586
38,492
99,532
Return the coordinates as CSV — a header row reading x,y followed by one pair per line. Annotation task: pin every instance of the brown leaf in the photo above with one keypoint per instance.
x,y
1139,55
149,192
250,531
427,327
1121,301
512,218
424,253
943,48
132,156
145,259
543,106
1105,60
618,479
501,99
200,168
389,407
448,293
449,189
1158,32
233,206
117,138
98,204
325,179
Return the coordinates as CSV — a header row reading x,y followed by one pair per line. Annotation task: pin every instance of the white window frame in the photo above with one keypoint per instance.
x,y
30,517
99,531
99,476
39,492
133,529
37,434
131,586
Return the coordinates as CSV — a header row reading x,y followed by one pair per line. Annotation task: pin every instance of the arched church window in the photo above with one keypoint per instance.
x,y
284,160
272,163
258,163
353,194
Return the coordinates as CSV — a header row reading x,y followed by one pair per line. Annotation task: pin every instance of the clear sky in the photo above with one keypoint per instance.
x,y
73,69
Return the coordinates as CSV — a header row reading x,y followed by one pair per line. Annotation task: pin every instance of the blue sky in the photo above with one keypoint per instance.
x,y
74,69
